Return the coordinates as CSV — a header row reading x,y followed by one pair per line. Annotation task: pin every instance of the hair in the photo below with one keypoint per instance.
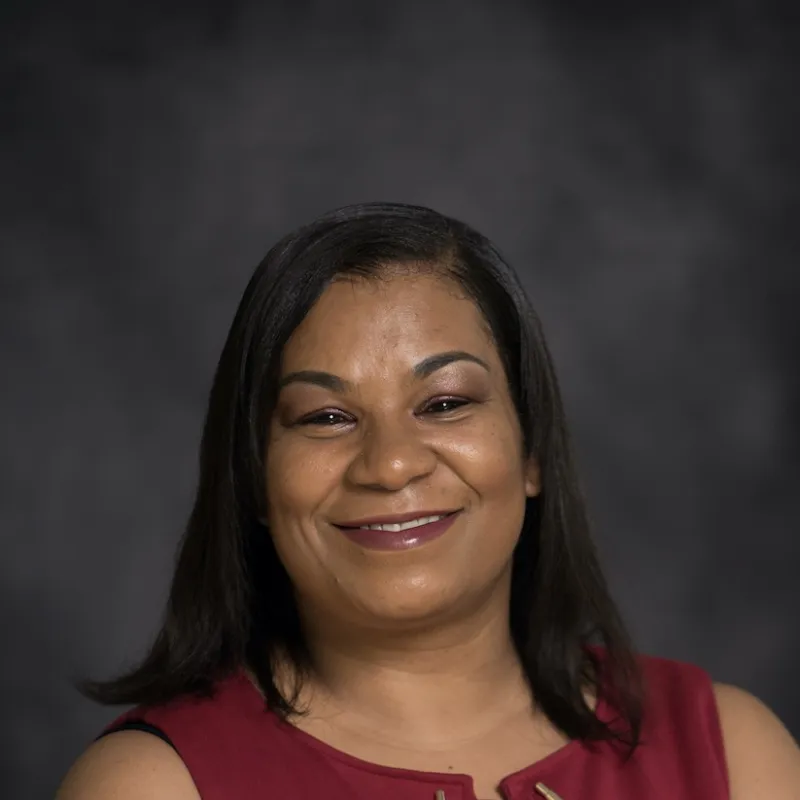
x,y
231,603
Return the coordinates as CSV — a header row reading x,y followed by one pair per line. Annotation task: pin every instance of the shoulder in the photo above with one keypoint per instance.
x,y
128,765
724,723
668,672
676,690
763,759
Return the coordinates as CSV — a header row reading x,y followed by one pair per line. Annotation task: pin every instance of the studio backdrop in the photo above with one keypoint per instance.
x,y
637,163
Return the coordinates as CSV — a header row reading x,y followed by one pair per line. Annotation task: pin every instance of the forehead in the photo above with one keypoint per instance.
x,y
402,316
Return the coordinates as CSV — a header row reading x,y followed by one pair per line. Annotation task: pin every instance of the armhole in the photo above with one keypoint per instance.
x,y
138,725
715,723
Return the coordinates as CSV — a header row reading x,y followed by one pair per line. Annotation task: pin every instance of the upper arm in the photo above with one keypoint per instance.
x,y
763,759
128,765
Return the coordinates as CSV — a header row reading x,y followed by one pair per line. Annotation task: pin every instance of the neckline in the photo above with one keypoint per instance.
x,y
255,700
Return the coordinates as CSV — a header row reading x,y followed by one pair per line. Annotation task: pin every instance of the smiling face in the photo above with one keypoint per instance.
x,y
394,406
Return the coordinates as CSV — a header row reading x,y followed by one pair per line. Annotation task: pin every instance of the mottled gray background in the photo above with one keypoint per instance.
x,y
639,164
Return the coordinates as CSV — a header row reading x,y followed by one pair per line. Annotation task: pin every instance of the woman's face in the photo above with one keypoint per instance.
x,y
394,409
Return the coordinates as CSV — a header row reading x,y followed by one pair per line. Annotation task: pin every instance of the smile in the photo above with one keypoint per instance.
x,y
399,533
396,527
398,522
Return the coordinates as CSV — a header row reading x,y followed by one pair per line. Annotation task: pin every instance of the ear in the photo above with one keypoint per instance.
x,y
533,478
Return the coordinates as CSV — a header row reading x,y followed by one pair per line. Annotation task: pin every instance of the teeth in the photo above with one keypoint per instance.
x,y
404,526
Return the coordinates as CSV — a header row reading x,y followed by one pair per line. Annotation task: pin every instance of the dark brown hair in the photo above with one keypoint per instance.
x,y
231,602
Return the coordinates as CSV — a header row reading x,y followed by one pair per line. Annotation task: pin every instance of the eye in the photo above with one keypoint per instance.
x,y
444,405
325,419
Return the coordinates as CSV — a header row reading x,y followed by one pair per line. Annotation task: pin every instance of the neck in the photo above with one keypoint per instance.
x,y
423,684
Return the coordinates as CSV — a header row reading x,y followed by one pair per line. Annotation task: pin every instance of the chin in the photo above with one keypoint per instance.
x,y
407,606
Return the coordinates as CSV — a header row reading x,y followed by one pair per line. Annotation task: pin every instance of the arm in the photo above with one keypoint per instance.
x,y
763,759
128,765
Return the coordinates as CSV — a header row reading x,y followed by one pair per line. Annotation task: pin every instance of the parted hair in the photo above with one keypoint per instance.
x,y
231,602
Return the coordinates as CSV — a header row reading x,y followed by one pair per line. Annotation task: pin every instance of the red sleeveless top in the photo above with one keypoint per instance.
x,y
235,750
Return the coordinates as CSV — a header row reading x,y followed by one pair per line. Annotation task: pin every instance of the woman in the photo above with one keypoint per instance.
x,y
387,588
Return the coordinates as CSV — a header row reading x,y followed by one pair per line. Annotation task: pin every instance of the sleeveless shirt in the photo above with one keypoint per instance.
x,y
236,750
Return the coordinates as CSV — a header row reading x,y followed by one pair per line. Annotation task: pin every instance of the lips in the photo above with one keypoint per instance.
x,y
398,532
396,519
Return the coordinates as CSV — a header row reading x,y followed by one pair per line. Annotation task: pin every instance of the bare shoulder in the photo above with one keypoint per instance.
x,y
128,765
763,758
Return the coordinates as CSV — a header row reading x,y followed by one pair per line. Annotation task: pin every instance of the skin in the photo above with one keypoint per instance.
x,y
409,646
389,442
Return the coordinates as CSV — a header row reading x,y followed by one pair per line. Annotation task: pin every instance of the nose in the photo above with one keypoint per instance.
x,y
391,455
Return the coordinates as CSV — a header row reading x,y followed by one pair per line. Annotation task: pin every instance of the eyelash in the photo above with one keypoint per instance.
x,y
322,417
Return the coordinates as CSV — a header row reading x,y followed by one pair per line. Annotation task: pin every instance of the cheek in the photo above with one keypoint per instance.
x,y
489,457
293,493
294,473
300,476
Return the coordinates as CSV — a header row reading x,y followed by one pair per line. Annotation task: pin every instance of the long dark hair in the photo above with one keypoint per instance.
x,y
231,602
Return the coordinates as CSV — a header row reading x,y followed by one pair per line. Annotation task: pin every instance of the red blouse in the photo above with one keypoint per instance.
x,y
235,750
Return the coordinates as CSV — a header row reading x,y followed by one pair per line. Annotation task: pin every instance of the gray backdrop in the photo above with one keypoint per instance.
x,y
640,168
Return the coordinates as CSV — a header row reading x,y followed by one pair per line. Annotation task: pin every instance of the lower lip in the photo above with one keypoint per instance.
x,y
399,540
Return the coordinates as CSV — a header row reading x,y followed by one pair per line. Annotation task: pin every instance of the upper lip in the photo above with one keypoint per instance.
x,y
393,519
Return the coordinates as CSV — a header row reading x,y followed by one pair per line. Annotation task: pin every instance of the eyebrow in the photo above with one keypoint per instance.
x,y
423,370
